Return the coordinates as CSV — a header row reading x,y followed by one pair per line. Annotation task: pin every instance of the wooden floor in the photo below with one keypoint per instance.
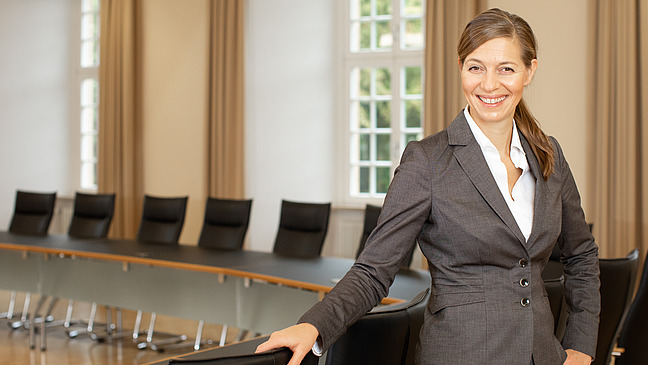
x,y
14,343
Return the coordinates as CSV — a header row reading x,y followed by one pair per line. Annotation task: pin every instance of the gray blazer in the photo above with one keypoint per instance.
x,y
443,193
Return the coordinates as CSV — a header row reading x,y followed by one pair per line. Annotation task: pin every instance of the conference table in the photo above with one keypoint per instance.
x,y
257,291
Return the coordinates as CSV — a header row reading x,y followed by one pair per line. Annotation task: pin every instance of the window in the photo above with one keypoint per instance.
x,y
88,88
383,67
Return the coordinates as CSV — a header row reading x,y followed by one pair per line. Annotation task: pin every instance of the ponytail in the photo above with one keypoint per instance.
x,y
540,144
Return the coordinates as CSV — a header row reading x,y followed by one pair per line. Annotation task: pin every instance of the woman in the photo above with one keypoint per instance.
x,y
488,198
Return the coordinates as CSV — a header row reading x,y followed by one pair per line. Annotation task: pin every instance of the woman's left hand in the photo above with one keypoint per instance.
x,y
577,358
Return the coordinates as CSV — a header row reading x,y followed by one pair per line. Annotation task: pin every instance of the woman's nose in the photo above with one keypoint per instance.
x,y
490,82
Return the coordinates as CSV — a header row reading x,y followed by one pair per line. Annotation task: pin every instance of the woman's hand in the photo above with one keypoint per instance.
x,y
299,338
577,358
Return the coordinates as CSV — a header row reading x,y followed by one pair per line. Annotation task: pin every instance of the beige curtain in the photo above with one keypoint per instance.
x,y
119,155
225,161
445,21
620,213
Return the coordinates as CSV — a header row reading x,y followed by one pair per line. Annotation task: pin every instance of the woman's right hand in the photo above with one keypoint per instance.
x,y
298,338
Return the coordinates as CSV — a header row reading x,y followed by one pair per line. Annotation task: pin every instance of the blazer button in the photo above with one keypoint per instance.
x,y
525,302
523,263
524,282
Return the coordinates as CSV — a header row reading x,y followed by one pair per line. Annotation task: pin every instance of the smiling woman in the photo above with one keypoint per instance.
x,y
467,195
514,53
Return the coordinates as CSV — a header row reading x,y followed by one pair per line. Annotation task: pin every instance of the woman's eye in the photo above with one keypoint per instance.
x,y
508,70
473,68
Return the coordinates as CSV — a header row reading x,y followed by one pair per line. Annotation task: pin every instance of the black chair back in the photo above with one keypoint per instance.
x,y
618,278
92,215
274,357
372,212
383,336
162,219
416,311
633,339
302,229
226,222
32,213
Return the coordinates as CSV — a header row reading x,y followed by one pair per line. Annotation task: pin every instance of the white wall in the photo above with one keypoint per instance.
x,y
34,103
290,112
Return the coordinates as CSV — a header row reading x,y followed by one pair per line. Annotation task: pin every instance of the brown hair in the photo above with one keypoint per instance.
x,y
496,23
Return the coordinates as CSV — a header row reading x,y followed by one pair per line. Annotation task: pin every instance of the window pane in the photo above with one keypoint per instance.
x,y
383,114
413,34
383,147
383,35
413,113
383,81
89,92
413,81
360,8
382,179
89,119
383,7
88,175
88,148
365,82
413,7
361,114
364,147
89,26
365,7
363,36
364,179
360,82
89,54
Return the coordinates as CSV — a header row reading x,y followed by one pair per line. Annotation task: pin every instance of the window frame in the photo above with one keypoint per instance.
x,y
396,59
79,74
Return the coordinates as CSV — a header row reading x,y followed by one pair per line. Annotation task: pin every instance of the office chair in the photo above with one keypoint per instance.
x,y
633,339
162,219
92,215
32,215
224,227
302,229
91,218
225,224
273,357
386,335
618,278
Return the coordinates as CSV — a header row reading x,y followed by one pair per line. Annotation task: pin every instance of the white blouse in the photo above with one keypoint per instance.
x,y
520,201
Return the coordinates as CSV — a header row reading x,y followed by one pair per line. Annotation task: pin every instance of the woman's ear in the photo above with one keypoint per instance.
x,y
531,71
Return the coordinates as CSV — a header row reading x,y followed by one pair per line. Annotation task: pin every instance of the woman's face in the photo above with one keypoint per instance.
x,y
493,78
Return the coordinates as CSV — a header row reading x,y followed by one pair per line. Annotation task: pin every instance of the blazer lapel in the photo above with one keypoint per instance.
x,y
472,161
541,191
